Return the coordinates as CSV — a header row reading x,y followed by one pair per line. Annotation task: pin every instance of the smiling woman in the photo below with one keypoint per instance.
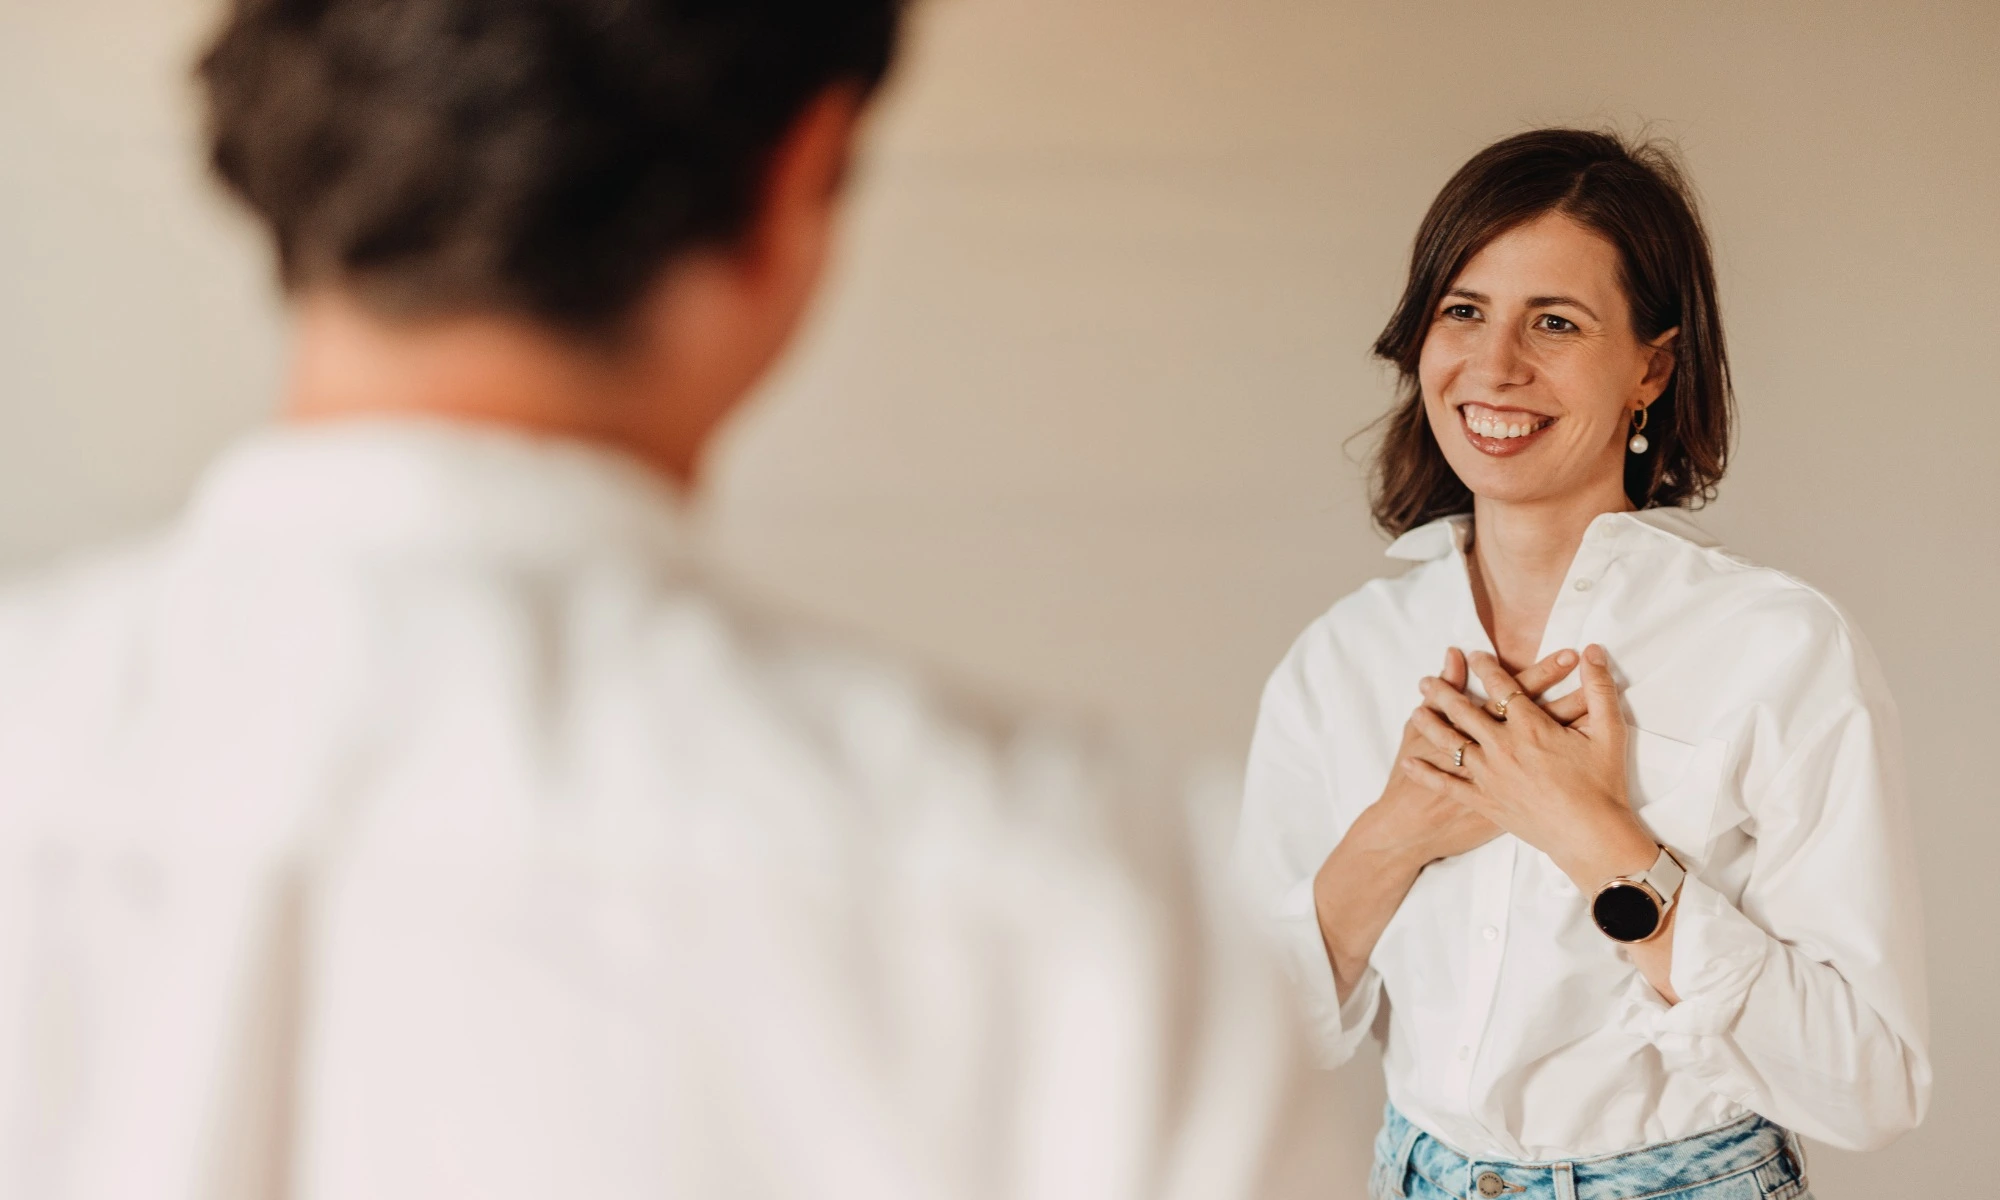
x,y
1640,294
1629,931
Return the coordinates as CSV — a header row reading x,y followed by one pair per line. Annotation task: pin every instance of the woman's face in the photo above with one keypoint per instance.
x,y
1531,371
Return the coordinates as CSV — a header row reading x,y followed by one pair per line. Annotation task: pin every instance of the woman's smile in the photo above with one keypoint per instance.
x,y
1500,432
1532,354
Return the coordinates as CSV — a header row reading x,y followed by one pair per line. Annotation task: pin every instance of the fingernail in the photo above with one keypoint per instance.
x,y
1566,659
1595,654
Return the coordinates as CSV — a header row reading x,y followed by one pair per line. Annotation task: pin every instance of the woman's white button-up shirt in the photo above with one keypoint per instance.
x,y
1763,752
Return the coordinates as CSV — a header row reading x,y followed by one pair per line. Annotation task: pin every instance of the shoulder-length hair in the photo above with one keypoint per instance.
x,y
1636,196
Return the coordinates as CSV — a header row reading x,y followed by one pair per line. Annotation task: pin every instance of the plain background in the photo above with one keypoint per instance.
x,y
1074,418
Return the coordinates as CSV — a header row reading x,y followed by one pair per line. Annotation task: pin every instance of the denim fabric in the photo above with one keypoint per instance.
x,y
1750,1159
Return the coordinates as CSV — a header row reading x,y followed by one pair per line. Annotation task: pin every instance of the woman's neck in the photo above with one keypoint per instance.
x,y
1520,554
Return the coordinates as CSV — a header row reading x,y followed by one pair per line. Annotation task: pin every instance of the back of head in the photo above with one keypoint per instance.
x,y
539,158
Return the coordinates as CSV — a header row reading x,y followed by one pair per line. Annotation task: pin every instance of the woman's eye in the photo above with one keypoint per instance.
x,y
1461,312
1555,324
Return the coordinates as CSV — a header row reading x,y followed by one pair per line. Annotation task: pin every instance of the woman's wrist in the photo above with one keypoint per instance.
x,y
1616,847
1355,893
1382,844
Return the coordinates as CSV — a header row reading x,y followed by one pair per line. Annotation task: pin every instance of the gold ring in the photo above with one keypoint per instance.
x,y
1500,710
1458,755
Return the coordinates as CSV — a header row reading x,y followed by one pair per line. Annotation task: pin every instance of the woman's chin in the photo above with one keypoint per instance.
x,y
1506,480
1528,479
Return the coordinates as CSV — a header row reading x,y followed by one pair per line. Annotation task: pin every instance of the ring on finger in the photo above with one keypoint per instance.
x,y
1458,755
1499,710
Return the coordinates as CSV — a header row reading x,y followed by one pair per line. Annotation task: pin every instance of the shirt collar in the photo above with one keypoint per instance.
x,y
1435,540
1448,534
434,483
1676,522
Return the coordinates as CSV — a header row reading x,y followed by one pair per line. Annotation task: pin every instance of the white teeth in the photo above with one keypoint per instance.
x,y
1490,428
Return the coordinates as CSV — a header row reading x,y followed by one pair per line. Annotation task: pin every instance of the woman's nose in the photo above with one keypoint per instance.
x,y
1499,359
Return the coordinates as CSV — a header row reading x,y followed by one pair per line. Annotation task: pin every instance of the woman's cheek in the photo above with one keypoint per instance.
x,y
1436,383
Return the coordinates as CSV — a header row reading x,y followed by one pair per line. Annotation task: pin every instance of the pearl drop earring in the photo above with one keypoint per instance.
x,y
1638,443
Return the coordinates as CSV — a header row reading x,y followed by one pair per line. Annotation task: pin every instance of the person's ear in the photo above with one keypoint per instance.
x,y
1661,357
792,223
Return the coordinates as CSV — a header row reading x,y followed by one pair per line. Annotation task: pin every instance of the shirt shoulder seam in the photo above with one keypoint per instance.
x,y
1723,557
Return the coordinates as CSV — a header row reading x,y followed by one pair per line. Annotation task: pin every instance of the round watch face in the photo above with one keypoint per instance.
x,y
1626,913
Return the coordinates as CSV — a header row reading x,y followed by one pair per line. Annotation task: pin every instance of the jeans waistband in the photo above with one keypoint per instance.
x,y
1734,1149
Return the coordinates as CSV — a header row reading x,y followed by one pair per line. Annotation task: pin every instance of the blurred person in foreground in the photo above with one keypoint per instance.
x,y
413,820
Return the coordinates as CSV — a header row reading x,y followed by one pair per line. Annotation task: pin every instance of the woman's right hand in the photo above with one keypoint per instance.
x,y
1419,825
1363,881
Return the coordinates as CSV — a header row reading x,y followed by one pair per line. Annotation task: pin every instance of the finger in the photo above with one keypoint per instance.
x,y
1443,738
1436,758
1501,686
1547,673
1443,782
1600,693
1454,668
1459,709
1568,708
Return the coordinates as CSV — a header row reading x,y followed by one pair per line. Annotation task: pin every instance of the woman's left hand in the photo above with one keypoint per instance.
x,y
1560,788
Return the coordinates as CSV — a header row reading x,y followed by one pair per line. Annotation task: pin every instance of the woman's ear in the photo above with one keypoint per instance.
x,y
1662,355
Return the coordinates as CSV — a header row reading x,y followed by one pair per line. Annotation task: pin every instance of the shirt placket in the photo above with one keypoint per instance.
x,y
1494,877
1487,914
1486,942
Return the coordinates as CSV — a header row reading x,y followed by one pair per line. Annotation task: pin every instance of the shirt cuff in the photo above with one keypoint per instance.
x,y
1718,954
1337,1029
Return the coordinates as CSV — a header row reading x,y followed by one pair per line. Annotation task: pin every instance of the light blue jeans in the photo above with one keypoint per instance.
x,y
1750,1159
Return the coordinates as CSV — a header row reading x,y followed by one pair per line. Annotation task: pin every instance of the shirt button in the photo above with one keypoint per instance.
x,y
1581,585
1464,1052
1489,933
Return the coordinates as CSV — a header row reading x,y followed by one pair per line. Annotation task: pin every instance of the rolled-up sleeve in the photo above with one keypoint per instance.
x,y
1337,1029
1804,1001
1287,829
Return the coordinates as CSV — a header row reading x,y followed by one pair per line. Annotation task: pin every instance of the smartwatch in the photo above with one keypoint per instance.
x,y
1634,908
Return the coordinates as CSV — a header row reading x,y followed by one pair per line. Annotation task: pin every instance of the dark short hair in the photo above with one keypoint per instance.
x,y
1636,196
546,158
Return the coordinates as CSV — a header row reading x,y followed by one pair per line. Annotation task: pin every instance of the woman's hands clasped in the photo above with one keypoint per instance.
x,y
1414,822
1419,822
1553,777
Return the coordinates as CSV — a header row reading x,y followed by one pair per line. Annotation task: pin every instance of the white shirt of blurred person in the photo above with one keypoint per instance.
x,y
412,819
1437,868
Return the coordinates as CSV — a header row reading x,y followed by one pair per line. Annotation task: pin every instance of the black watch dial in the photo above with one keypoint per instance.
x,y
1626,912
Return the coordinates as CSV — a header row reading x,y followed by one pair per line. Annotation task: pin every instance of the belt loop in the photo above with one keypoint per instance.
x,y
1400,1165
1797,1147
1564,1176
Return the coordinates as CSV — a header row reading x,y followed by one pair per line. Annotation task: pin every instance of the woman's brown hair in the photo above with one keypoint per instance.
x,y
1637,197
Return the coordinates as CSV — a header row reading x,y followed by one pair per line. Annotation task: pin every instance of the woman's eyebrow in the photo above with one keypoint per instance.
x,y
1533,301
1552,301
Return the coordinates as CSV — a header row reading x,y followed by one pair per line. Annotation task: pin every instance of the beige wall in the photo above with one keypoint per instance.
x,y
1073,418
